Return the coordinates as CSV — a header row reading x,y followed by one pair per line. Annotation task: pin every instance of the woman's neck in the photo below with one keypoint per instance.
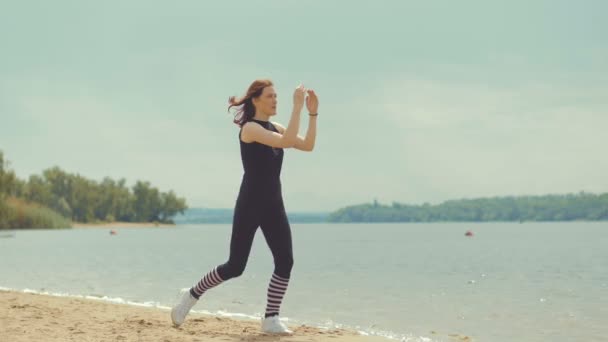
x,y
261,117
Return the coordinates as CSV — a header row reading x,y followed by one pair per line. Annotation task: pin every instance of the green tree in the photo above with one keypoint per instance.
x,y
147,202
9,184
171,205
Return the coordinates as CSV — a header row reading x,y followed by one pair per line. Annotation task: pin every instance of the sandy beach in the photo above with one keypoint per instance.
x,y
34,317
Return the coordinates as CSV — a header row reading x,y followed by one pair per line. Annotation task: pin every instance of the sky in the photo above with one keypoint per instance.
x,y
420,101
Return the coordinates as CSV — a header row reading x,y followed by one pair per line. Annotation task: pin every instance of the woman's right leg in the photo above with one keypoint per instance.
x,y
244,226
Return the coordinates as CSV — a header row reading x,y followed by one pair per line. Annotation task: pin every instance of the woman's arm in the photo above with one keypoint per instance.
x,y
286,138
303,144
253,132
307,143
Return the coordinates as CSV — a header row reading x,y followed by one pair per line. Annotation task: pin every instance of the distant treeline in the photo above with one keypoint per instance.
x,y
223,216
569,207
63,197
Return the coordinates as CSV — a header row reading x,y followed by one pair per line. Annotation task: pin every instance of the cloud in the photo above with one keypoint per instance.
x,y
82,131
466,140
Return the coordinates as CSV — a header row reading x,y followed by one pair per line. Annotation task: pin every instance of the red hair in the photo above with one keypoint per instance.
x,y
246,109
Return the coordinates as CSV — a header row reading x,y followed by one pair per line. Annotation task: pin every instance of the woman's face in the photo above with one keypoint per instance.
x,y
267,102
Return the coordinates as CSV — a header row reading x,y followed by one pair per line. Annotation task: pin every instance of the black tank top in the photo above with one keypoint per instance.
x,y
261,163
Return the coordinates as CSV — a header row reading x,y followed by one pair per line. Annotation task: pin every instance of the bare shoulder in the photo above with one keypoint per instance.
x,y
247,131
250,126
278,126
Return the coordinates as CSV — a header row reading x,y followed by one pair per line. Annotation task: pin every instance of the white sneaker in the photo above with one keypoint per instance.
x,y
274,325
179,312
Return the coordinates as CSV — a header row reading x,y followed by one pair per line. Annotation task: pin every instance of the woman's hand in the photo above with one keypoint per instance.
x,y
312,102
298,97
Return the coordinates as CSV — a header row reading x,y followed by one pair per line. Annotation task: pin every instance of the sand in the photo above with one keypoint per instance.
x,y
34,317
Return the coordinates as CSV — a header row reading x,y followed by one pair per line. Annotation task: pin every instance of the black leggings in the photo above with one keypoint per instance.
x,y
268,214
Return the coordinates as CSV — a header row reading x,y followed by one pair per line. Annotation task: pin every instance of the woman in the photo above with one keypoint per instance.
x,y
260,200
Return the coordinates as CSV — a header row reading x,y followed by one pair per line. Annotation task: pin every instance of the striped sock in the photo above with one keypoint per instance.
x,y
211,279
276,291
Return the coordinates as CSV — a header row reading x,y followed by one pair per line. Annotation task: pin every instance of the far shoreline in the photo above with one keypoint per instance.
x,y
118,224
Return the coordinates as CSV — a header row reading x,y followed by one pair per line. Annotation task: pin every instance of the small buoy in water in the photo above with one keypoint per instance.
x,y
468,233
112,232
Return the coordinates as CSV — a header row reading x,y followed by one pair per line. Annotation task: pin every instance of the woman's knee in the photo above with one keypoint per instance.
x,y
289,263
284,266
231,270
